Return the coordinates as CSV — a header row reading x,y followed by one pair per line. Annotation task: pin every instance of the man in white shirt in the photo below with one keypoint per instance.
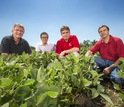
x,y
44,45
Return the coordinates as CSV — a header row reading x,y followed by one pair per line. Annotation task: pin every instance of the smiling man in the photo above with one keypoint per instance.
x,y
111,50
15,43
45,45
67,44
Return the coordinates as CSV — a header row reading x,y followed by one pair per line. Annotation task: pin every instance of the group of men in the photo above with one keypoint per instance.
x,y
111,48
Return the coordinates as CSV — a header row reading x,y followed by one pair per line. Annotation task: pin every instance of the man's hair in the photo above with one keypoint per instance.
x,y
19,25
64,28
103,26
44,33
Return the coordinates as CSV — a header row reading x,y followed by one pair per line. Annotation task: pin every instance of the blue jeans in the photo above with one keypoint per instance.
x,y
106,63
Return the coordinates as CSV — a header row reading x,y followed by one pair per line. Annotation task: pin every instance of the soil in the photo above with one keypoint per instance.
x,y
86,101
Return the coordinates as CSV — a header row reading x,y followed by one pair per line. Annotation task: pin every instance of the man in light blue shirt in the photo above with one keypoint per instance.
x,y
44,45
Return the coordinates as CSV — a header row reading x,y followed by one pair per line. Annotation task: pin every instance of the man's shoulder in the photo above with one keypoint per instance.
x,y
99,42
7,37
73,36
39,43
23,40
60,40
116,38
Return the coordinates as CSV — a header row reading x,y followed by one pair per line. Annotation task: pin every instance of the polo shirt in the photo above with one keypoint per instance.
x,y
8,45
113,50
63,45
41,47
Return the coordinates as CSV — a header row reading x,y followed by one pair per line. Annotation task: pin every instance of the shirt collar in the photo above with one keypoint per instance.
x,y
43,44
110,39
68,39
21,41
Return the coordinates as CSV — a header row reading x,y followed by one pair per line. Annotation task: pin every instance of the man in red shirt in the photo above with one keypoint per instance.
x,y
67,44
111,50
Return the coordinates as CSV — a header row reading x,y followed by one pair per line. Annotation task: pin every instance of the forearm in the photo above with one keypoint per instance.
x,y
71,50
4,54
88,53
118,62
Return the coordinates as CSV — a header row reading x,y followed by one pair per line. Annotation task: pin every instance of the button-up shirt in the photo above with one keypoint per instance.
x,y
48,47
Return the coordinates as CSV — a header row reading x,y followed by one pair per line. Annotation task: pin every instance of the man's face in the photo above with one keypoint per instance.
x,y
44,39
18,32
65,34
103,32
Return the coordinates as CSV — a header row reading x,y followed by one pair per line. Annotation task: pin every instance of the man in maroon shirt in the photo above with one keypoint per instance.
x,y
67,44
111,50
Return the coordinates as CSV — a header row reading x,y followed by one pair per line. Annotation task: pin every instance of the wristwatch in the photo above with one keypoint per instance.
x,y
112,68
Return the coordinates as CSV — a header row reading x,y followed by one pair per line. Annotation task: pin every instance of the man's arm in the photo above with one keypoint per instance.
x,y
111,68
88,53
74,49
5,46
4,54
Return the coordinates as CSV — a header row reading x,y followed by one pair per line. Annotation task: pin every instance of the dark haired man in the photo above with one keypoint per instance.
x,y
111,50
44,45
67,44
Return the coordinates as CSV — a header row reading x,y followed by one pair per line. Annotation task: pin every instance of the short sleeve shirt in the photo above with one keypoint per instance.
x,y
8,45
63,45
49,47
113,50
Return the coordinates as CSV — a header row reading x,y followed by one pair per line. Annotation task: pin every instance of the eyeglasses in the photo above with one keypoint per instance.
x,y
44,37
18,30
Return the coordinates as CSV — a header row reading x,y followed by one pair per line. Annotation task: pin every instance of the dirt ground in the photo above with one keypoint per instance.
x,y
99,101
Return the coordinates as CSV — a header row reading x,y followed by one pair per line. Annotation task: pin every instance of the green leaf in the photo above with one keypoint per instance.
x,y
41,87
41,98
29,82
92,59
120,74
5,105
121,96
5,99
15,105
52,94
5,81
100,88
88,83
53,102
106,97
116,86
22,93
94,93
95,80
94,73
68,89
85,81
24,105
57,65
76,70
53,88
34,74
13,62
39,73
25,72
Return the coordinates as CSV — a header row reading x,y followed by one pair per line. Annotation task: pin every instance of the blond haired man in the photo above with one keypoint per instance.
x,y
15,43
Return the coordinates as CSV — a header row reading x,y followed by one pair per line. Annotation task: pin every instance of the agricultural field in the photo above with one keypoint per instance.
x,y
41,80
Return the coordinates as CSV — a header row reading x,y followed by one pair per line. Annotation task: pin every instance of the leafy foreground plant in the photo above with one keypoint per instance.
x,y
40,80
120,87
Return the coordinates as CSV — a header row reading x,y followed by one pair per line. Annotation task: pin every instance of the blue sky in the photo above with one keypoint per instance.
x,y
82,16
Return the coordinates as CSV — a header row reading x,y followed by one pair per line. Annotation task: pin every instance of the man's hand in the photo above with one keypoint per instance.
x,y
62,54
107,70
